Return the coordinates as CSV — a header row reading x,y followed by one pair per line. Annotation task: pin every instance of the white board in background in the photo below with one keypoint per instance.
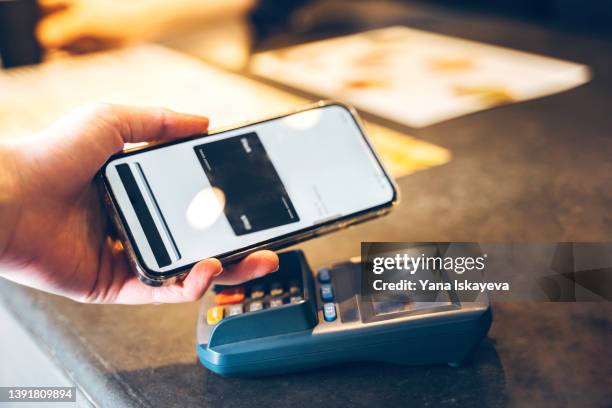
x,y
417,78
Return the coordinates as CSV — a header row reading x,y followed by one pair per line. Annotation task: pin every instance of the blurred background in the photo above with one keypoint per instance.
x,y
222,30
494,116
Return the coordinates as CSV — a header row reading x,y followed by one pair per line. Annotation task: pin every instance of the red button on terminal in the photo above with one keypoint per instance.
x,y
229,296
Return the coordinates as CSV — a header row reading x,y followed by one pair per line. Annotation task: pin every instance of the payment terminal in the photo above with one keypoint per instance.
x,y
294,320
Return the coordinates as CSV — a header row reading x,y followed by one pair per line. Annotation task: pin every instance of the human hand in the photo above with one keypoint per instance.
x,y
55,232
82,26
91,25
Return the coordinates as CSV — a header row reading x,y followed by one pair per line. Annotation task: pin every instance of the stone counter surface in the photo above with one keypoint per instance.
x,y
539,170
538,354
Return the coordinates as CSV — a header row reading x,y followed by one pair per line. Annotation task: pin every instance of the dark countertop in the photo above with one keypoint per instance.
x,y
539,170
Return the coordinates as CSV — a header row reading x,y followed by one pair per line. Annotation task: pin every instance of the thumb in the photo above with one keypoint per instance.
x,y
80,143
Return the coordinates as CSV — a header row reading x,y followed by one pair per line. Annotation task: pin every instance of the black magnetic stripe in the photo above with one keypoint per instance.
x,y
144,215
163,219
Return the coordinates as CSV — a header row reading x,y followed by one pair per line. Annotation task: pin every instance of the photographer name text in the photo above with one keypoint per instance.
x,y
425,284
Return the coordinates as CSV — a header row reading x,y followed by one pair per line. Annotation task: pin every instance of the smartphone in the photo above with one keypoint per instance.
x,y
261,185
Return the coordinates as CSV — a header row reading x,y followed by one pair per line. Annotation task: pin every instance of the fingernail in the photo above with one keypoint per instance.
x,y
277,268
218,272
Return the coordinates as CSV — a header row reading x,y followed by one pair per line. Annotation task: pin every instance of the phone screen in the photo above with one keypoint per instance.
x,y
214,195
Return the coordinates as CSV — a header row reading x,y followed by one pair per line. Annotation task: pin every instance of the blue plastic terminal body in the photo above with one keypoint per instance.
x,y
293,337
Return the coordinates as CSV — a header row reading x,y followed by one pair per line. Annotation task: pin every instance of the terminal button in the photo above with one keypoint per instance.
x,y
276,303
234,310
329,312
276,289
229,296
255,306
257,292
294,288
327,293
214,315
324,275
295,299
